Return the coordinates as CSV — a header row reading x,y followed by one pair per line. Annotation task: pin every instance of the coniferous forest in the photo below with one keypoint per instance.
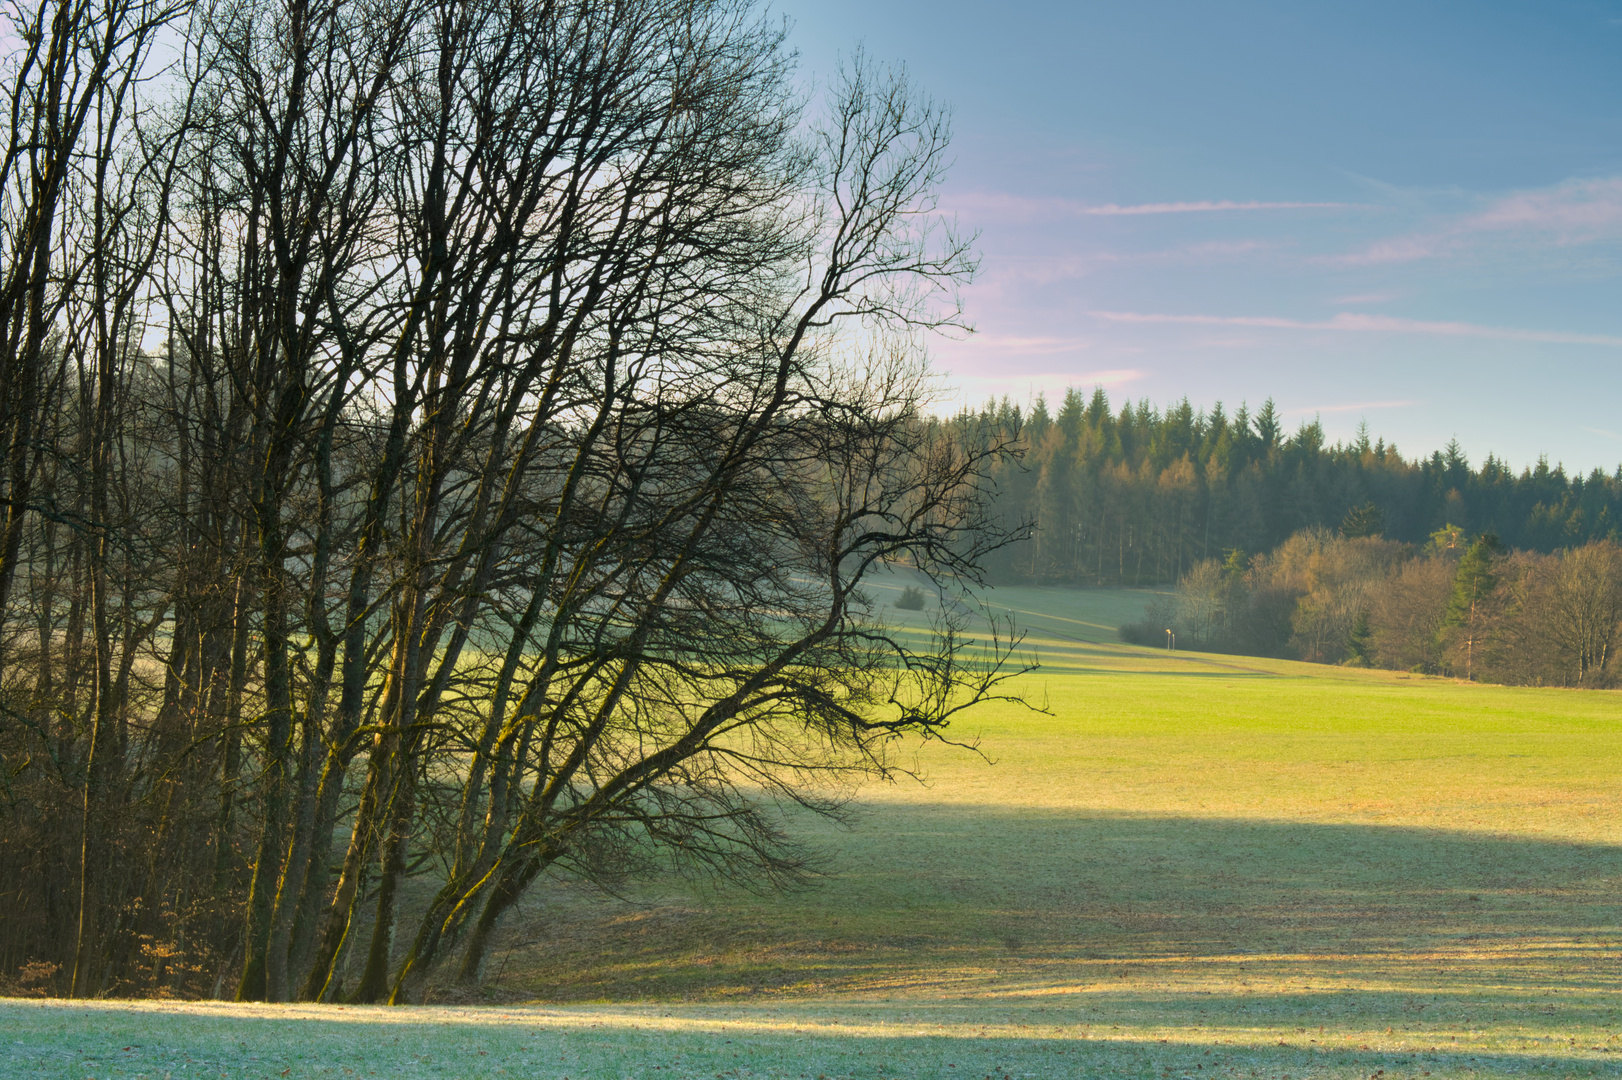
x,y
1139,495
1281,545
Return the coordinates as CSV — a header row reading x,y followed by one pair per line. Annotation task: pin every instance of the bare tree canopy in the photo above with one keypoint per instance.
x,y
451,441
1459,606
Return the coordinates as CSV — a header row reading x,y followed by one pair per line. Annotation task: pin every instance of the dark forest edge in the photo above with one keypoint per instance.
x,y
1284,546
1139,496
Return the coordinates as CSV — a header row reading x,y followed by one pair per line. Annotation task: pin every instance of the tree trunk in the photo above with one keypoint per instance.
x,y
346,898
374,981
275,783
508,888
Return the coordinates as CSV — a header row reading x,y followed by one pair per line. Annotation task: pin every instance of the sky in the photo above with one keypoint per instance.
x,y
1408,214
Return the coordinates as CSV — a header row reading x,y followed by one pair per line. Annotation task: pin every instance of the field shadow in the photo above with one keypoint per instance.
x,y
1119,912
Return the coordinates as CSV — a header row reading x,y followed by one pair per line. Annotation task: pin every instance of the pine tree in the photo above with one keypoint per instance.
x,y
1098,413
1457,466
1448,538
1473,582
1360,643
1069,418
1268,428
1365,520
1037,424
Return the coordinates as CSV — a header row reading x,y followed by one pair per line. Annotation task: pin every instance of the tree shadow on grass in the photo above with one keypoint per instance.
x,y
1126,914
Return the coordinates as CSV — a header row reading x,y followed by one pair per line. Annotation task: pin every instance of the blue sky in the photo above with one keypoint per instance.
x,y
1409,213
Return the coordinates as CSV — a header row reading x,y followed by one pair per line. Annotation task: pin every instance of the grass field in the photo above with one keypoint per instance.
x,y
1192,866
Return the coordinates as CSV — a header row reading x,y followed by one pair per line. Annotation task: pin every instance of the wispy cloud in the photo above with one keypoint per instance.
x,y
1109,377
1207,206
1012,276
1008,206
1105,377
1576,210
1026,385
1571,213
1369,298
1399,250
1230,341
1384,324
1361,406
1218,249
1026,346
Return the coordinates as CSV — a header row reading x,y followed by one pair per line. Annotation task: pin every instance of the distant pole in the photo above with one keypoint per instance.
x,y
1171,641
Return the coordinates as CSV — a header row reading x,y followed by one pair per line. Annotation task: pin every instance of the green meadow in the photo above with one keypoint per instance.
x,y
1189,865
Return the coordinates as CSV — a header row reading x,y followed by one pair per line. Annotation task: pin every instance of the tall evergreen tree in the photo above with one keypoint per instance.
x,y
1473,581
1364,520
1268,427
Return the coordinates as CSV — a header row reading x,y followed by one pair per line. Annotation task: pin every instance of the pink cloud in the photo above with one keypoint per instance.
x,y
1207,206
1109,377
1401,249
1225,247
971,388
1025,346
1368,298
1103,377
1348,321
1021,270
1361,406
1005,275
1244,341
1576,210
1573,212
1387,324
1022,208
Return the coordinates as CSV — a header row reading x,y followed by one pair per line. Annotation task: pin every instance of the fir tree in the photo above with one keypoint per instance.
x,y
1473,582
1268,428
1360,643
1365,520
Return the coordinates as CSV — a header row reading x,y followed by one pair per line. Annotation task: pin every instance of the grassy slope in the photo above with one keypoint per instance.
x,y
1195,864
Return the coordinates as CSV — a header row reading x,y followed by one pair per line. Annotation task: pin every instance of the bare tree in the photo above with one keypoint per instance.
x,y
83,182
69,97
1406,613
536,389
1581,612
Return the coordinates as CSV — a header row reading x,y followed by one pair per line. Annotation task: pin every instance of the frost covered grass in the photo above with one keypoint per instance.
x,y
848,1039
1194,866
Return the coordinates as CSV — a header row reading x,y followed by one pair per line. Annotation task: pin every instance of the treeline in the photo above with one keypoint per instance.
x,y
1139,496
1463,607
429,453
